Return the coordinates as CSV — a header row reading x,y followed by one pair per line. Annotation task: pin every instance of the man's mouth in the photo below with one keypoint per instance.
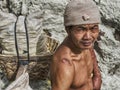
x,y
87,43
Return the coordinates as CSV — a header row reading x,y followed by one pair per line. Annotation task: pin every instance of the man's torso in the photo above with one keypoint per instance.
x,y
83,67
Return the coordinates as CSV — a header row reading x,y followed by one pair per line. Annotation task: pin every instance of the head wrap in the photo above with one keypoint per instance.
x,y
81,12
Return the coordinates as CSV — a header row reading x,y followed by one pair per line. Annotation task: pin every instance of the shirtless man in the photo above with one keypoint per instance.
x,y
74,65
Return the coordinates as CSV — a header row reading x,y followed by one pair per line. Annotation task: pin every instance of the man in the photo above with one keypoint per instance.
x,y
74,65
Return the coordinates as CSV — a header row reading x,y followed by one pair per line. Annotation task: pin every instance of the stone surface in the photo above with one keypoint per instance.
x,y
108,49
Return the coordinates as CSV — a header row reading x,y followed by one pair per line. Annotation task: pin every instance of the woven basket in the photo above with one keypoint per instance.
x,y
38,66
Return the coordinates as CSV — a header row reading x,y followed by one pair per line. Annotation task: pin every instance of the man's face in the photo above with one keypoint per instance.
x,y
84,36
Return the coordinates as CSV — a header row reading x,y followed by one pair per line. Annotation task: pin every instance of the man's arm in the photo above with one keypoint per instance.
x,y
96,73
62,72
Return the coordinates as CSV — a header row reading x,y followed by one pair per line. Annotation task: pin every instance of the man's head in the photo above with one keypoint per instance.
x,y
83,36
81,12
81,19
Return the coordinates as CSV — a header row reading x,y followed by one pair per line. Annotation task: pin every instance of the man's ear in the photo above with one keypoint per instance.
x,y
67,30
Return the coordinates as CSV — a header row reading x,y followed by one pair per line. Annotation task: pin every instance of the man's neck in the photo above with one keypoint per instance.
x,y
72,46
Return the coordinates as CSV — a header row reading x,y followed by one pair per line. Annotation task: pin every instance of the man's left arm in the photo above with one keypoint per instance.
x,y
96,73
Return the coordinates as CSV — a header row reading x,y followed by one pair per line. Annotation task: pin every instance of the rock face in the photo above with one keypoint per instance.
x,y
107,50
109,44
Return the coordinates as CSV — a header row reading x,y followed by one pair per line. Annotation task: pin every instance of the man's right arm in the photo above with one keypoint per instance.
x,y
62,72
96,73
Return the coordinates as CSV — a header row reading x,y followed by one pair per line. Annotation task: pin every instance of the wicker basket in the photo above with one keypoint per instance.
x,y
38,66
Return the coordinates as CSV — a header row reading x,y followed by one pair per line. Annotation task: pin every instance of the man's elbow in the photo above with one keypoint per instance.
x,y
97,81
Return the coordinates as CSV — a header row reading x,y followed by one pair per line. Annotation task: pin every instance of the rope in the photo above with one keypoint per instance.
x,y
22,62
27,39
16,44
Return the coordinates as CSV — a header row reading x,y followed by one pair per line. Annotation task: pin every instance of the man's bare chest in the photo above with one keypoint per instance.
x,y
83,67
82,62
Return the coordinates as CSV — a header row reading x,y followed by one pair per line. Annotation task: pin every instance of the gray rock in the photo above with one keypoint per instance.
x,y
108,49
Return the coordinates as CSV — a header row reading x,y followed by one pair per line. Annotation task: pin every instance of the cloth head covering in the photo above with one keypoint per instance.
x,y
81,12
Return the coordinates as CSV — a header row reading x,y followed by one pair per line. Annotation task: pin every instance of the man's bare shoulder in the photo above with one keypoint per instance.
x,y
62,51
62,69
62,54
62,60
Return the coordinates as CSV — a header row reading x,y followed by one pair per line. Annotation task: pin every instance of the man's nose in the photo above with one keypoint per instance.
x,y
87,35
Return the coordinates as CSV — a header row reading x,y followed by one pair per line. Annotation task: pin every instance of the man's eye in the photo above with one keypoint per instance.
x,y
81,28
94,29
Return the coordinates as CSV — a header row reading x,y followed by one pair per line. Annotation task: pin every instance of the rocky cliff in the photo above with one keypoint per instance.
x,y
107,48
